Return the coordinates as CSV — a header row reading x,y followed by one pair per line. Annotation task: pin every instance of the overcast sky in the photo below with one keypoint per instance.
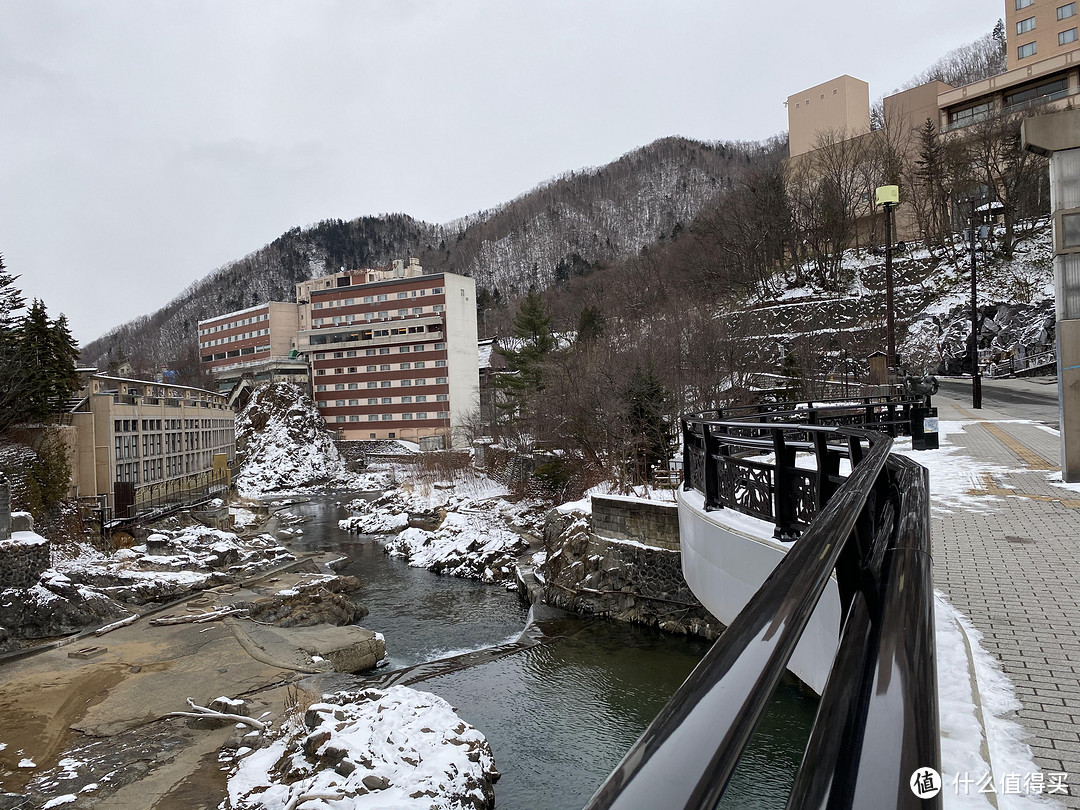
x,y
143,144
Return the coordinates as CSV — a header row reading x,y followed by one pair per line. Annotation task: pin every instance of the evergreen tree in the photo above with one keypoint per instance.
x,y
532,342
63,360
11,370
648,404
34,355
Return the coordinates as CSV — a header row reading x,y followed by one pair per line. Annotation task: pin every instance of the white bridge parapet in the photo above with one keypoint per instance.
x,y
727,555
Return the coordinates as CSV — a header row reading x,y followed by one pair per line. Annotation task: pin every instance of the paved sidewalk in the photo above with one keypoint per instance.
x,y
1013,567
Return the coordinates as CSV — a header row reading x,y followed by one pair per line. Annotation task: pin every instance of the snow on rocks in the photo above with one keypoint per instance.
x,y
174,563
470,545
284,445
397,748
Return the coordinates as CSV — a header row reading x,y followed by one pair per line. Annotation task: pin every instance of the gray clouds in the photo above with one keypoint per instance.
x,y
146,143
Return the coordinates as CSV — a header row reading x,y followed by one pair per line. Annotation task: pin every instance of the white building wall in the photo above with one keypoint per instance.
x,y
462,361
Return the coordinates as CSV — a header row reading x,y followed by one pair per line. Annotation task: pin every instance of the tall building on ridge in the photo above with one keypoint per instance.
x,y
841,106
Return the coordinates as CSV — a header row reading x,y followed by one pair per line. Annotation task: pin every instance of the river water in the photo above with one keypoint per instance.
x,y
559,716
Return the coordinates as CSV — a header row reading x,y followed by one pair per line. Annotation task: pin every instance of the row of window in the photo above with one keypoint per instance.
x,y
340,320
315,339
420,381
163,468
374,299
209,330
390,417
415,347
233,338
405,400
242,352
133,425
320,372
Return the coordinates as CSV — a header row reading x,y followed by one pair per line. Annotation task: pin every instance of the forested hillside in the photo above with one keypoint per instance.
x,y
576,220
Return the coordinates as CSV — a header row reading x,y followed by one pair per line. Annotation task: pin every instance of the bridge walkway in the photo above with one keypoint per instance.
x,y
1009,559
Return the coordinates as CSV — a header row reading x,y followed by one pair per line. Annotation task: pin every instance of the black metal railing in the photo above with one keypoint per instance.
x,y
877,722
723,450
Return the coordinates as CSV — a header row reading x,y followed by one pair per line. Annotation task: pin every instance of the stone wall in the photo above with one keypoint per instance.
x,y
588,573
23,562
651,523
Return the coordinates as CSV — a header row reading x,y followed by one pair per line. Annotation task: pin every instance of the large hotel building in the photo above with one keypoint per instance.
x,y
1042,71
390,352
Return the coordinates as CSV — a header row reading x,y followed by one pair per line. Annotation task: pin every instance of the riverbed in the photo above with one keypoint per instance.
x,y
559,715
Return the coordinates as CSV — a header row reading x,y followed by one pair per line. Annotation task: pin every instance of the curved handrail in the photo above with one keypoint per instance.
x,y
873,531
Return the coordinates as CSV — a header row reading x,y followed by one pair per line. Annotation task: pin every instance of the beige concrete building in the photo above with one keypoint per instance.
x,y
840,106
138,440
1039,29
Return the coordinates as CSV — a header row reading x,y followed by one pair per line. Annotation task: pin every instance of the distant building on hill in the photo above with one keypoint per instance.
x,y
388,353
1042,71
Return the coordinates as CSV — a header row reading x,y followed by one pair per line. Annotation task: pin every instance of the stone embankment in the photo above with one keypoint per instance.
x,y
623,562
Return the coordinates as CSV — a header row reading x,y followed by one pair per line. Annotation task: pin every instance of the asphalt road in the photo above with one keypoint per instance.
x,y
1033,398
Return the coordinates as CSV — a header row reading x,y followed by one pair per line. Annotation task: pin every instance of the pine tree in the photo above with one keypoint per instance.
x,y
11,301
647,405
533,342
34,356
63,360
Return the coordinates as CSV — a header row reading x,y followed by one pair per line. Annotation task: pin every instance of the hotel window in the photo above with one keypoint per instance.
x,y
373,401
1025,51
421,415
387,400
402,295
970,115
1066,11
406,399
440,363
1024,26
404,365
1023,4
1065,37
387,417
373,417
354,418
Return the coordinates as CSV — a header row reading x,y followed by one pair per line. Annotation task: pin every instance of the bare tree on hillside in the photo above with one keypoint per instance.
x,y
978,60
1013,176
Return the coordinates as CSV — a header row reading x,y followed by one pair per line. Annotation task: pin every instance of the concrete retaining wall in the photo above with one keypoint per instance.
x,y
588,573
648,522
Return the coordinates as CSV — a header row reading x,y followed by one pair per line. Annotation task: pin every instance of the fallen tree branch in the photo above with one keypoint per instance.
x,y
108,628
212,616
211,714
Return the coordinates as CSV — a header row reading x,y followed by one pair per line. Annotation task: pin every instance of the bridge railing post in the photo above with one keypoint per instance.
x,y
712,480
783,490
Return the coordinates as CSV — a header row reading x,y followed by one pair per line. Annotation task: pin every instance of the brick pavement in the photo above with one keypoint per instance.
x,y
1013,567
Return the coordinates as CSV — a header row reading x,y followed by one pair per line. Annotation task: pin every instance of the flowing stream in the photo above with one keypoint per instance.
x,y
558,715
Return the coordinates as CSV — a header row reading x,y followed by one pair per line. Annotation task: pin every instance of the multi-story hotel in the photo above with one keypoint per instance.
x,y
259,341
391,352
136,438
1043,68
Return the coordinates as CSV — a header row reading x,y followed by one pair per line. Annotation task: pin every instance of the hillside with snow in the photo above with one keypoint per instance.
x,y
829,330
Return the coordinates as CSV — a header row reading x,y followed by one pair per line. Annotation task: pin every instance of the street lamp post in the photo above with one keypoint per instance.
x,y
888,197
976,377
